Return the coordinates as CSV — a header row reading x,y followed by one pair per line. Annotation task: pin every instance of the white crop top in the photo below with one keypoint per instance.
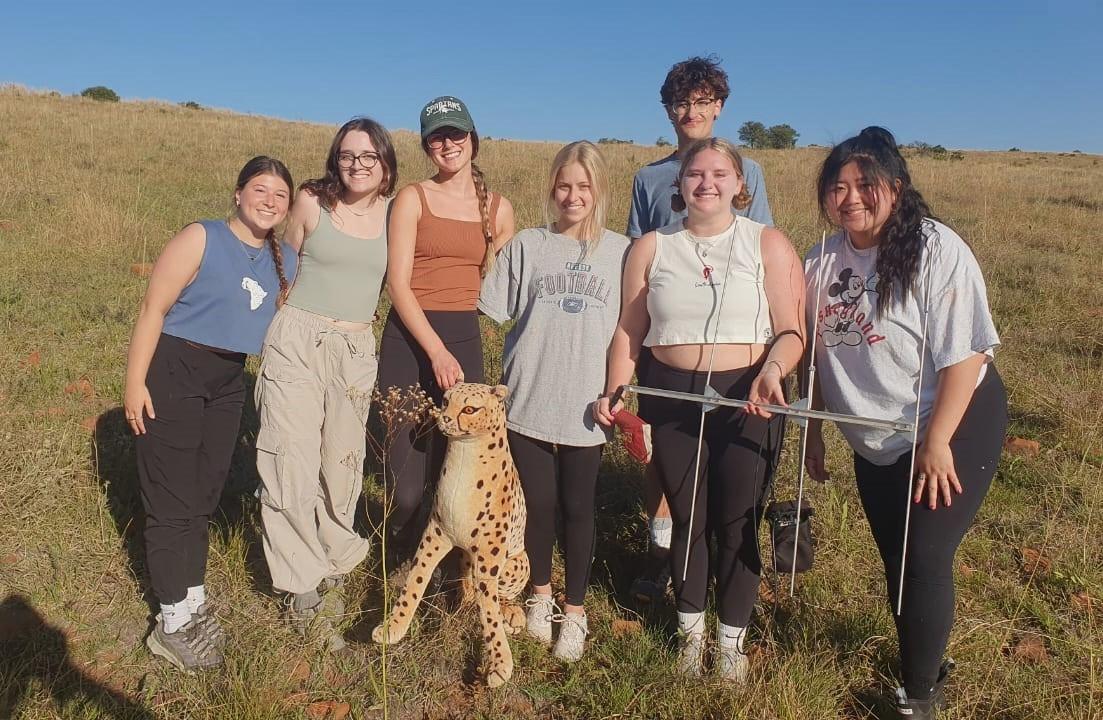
x,y
688,277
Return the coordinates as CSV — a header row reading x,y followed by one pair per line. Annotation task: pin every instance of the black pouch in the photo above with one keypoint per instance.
x,y
784,536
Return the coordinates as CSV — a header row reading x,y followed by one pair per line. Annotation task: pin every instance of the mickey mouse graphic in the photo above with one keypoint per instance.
x,y
849,289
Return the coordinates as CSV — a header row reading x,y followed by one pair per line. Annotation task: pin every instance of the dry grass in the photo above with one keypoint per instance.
x,y
91,188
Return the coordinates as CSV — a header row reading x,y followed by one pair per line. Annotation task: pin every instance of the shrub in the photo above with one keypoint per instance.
x,y
100,92
613,141
191,105
1014,149
662,142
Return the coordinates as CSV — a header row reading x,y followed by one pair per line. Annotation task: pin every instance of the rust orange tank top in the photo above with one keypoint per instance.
x,y
447,256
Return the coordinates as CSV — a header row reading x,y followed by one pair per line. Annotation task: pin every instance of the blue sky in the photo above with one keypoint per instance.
x,y
985,75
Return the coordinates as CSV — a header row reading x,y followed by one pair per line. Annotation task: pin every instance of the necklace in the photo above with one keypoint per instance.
x,y
702,246
371,206
251,251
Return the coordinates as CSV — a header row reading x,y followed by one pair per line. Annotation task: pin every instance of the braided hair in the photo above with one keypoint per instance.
x,y
901,239
264,165
484,213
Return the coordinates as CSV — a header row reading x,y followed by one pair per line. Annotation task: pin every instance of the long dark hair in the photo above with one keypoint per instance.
x,y
902,237
329,187
482,192
264,165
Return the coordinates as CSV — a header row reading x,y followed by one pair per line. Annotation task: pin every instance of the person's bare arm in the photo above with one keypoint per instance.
x,y
174,270
504,224
632,327
302,220
934,462
784,284
401,239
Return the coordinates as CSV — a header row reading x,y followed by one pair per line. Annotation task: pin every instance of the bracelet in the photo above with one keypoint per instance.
x,y
780,369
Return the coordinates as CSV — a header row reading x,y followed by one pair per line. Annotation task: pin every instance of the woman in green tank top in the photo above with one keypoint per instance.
x,y
318,370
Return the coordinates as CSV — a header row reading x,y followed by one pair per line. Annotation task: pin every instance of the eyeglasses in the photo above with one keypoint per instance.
x,y
367,160
457,136
699,106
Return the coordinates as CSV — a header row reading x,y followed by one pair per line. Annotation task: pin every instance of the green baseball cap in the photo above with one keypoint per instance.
x,y
445,111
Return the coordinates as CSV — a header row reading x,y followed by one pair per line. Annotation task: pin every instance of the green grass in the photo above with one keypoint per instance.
x,y
91,189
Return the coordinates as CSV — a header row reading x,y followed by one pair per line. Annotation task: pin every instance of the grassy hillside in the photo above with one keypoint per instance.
x,y
91,189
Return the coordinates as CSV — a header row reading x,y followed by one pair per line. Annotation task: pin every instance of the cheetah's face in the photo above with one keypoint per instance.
x,y
472,409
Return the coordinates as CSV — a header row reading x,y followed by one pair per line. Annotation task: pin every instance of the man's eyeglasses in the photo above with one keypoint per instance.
x,y
698,106
457,136
367,160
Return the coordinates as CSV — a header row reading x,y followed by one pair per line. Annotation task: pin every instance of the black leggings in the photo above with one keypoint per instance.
x,y
566,473
184,457
416,452
738,457
933,535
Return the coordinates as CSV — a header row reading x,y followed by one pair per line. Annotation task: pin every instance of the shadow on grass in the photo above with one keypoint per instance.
x,y
114,458
35,654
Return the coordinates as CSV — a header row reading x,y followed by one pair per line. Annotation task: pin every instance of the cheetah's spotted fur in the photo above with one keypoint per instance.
x,y
479,508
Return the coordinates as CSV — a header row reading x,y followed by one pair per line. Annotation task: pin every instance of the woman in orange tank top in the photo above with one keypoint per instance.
x,y
442,238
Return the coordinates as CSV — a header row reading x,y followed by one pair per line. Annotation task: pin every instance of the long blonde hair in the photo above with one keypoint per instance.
x,y
587,155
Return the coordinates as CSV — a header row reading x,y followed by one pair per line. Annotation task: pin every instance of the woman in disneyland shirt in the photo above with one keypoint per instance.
x,y
892,269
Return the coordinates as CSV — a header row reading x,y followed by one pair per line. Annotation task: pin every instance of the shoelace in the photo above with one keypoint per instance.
x,y
196,640
561,617
554,614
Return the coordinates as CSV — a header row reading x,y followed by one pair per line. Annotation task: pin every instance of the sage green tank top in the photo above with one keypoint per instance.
x,y
340,275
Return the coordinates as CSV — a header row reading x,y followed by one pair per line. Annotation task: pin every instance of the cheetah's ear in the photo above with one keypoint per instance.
x,y
500,391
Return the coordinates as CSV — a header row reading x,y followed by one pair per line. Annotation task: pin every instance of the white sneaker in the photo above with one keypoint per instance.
x,y
732,665
573,629
691,653
538,617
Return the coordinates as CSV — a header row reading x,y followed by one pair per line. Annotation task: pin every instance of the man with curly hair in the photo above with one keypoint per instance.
x,y
693,94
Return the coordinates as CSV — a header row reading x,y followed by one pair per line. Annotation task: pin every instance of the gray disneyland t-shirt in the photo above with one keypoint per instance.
x,y
566,307
653,187
869,365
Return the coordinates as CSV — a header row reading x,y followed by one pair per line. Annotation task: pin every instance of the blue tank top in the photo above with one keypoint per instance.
x,y
232,299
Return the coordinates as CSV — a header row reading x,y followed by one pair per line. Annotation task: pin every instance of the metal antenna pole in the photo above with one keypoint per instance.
x,y
915,429
804,427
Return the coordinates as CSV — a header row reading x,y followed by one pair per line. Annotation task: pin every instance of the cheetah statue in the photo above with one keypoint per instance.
x,y
479,508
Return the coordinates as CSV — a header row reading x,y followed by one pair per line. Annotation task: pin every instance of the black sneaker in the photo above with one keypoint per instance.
x,y
926,709
188,648
650,588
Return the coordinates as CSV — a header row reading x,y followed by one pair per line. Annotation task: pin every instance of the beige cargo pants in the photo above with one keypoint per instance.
x,y
313,395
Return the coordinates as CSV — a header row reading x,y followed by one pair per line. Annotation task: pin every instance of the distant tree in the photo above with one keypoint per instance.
x,y
1014,149
613,141
99,92
782,137
191,105
754,134
662,142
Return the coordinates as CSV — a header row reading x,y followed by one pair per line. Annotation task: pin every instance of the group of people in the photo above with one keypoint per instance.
x,y
702,292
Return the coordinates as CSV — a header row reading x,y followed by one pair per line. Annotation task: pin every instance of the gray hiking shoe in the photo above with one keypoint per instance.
x,y
310,618
205,619
332,590
188,648
926,709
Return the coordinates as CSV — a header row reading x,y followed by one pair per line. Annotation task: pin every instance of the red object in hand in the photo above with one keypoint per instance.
x,y
635,434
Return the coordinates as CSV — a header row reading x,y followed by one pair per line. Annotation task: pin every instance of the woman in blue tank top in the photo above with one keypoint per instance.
x,y
211,296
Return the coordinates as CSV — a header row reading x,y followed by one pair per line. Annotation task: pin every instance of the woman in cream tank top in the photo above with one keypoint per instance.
x,y
717,292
